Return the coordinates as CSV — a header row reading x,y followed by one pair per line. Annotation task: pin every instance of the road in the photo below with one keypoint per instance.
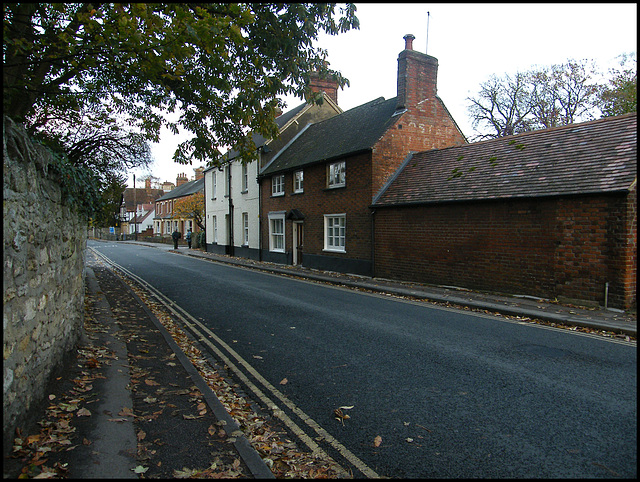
x,y
451,393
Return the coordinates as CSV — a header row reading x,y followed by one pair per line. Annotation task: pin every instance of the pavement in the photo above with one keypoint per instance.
x,y
130,404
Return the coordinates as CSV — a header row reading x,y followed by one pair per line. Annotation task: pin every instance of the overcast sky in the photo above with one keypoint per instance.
x,y
470,41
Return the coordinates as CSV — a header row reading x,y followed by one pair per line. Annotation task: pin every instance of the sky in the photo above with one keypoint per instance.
x,y
470,41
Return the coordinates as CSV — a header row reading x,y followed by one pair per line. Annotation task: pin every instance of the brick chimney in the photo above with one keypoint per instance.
x,y
199,172
327,85
417,77
147,183
181,179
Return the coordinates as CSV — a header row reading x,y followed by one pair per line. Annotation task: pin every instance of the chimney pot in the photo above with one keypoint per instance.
x,y
408,41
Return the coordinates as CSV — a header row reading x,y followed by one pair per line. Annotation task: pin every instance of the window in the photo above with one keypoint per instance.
x,y
298,181
276,232
215,185
245,178
335,230
245,229
277,185
227,187
215,229
336,174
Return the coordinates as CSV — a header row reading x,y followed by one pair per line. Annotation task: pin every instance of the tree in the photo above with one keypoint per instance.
x,y
190,207
219,67
537,99
503,105
620,96
111,196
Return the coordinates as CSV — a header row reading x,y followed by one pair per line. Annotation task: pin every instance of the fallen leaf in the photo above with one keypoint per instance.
x,y
140,469
141,435
51,397
185,473
211,430
150,382
377,441
83,412
150,400
409,439
86,442
340,416
284,381
126,412
257,357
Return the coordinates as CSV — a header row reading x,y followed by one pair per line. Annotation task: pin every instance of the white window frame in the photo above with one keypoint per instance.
x,y
245,229
245,178
277,241
215,185
277,185
337,174
332,241
215,229
227,187
298,181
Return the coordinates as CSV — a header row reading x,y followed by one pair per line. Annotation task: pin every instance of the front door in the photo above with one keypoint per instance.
x,y
298,242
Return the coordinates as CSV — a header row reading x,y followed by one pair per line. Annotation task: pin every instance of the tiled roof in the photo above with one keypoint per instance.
x,y
142,196
591,157
260,140
352,131
184,190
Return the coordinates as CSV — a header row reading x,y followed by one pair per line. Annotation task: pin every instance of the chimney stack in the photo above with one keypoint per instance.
x,y
326,84
181,179
417,77
199,172
147,183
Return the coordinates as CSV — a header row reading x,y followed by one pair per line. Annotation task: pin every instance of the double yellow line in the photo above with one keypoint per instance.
x,y
227,354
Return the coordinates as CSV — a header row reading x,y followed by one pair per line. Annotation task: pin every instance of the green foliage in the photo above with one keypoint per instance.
x,y
108,212
80,187
200,240
215,70
620,96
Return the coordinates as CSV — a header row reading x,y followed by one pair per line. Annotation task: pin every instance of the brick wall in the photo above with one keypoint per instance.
x,y
317,200
550,248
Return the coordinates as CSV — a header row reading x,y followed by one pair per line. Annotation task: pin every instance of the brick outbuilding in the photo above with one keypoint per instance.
x,y
550,213
316,191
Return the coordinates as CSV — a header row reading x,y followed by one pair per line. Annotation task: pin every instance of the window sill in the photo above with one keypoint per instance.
x,y
328,250
331,188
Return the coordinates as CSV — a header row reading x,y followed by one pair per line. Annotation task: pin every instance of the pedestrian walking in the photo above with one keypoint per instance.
x,y
176,236
188,236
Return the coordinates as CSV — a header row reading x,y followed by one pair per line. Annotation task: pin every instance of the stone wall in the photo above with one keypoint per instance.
x,y
44,246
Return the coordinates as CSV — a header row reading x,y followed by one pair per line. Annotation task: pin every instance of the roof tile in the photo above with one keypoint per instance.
x,y
592,157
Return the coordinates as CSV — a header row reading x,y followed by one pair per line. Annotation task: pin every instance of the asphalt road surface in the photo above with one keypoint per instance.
x,y
449,393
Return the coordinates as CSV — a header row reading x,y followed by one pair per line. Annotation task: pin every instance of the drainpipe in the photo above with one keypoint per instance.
x,y
231,241
373,240
606,294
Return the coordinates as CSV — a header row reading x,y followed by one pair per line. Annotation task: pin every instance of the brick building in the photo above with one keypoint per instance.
x,y
232,191
550,213
316,191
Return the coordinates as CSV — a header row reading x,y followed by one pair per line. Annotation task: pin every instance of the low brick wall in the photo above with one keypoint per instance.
x,y
44,249
569,248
